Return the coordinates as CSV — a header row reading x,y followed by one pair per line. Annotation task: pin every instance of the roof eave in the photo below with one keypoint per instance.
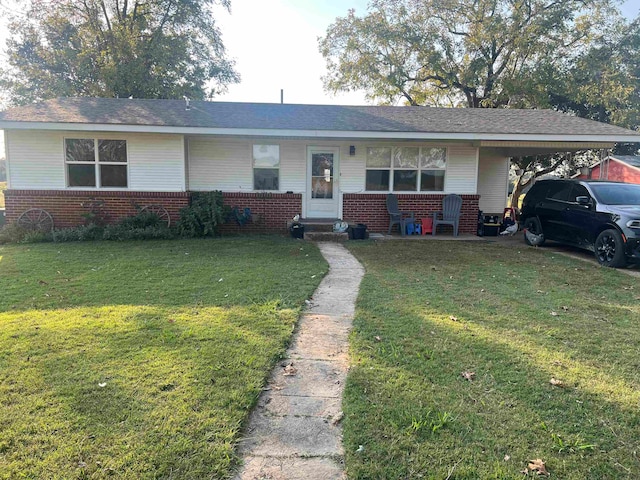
x,y
346,134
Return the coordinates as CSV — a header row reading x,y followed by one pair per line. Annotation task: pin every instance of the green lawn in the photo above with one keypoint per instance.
x,y
140,360
429,311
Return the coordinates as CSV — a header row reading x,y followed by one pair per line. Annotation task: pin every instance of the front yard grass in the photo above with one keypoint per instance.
x,y
512,321
140,360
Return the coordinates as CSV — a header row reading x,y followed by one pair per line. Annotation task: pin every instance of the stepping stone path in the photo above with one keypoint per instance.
x,y
295,432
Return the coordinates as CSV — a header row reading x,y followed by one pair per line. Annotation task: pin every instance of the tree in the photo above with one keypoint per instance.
x,y
116,48
490,54
487,53
602,83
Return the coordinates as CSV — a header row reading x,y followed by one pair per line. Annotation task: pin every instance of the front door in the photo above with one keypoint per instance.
x,y
322,182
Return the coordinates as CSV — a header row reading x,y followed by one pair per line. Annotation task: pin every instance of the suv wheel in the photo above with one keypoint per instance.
x,y
609,249
532,225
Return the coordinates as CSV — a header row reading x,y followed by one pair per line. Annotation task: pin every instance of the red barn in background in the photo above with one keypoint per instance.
x,y
617,168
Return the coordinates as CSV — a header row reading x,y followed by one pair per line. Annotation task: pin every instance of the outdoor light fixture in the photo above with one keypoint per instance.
x,y
352,150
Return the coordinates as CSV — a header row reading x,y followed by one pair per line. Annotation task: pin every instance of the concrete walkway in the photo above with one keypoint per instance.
x,y
295,431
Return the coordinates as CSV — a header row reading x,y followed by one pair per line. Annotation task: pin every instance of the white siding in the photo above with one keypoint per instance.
x,y
493,177
220,164
224,163
36,159
352,169
156,161
462,170
293,167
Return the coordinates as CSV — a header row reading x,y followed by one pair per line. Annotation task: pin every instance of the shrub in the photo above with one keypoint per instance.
x,y
11,233
204,216
78,234
123,232
141,220
144,226
36,236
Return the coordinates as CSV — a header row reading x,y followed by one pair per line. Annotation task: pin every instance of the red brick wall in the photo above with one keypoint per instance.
x,y
273,209
67,206
371,209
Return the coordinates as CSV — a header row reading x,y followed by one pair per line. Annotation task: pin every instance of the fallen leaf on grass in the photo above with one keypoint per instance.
x,y
556,383
102,385
378,339
538,467
554,314
452,318
507,458
360,449
469,375
290,370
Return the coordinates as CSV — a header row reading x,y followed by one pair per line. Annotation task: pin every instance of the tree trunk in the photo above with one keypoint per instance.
x,y
517,191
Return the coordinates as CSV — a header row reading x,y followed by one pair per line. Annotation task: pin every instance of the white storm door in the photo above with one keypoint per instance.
x,y
322,182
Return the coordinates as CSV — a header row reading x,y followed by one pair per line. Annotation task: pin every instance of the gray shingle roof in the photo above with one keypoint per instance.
x,y
172,113
632,160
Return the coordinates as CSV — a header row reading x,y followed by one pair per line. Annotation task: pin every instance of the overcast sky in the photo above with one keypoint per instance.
x,y
274,43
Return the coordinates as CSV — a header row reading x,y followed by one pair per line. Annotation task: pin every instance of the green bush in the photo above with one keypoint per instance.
x,y
121,232
141,220
204,216
36,236
11,233
142,226
78,234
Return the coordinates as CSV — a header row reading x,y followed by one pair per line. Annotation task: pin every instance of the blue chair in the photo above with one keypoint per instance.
x,y
450,214
402,219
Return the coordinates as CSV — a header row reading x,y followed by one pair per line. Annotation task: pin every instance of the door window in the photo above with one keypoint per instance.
x,y
322,175
559,191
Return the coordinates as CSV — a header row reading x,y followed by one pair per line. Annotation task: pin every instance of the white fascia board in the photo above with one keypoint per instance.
x,y
266,132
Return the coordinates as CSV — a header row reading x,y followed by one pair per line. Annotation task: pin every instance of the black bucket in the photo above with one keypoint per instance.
x,y
297,230
359,232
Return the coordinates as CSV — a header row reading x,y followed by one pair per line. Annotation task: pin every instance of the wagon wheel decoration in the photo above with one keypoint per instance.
x,y
159,211
36,219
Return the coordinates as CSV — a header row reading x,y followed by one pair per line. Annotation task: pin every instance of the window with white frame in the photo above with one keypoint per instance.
x,y
266,167
96,163
406,169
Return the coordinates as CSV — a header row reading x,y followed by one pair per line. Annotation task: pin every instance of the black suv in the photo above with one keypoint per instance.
x,y
601,216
